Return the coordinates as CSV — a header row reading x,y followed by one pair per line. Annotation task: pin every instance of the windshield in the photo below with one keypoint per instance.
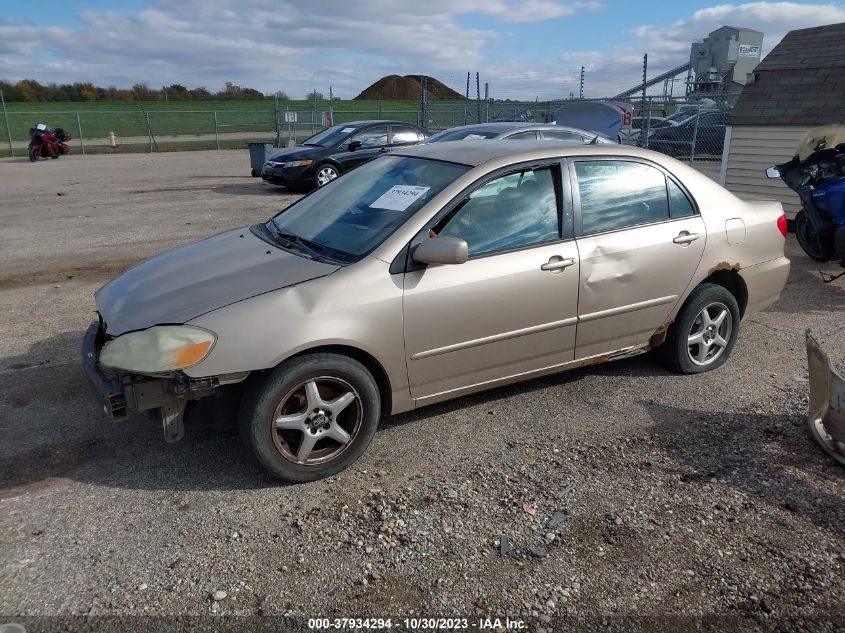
x,y
349,217
460,135
331,136
680,116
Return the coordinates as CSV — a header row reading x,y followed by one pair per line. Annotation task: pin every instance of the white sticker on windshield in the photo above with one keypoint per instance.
x,y
399,197
347,130
474,137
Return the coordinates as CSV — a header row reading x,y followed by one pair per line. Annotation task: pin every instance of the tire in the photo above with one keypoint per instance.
x,y
809,243
34,154
324,174
679,354
302,396
255,173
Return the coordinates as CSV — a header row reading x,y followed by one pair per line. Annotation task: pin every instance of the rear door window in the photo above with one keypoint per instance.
x,y
523,136
616,194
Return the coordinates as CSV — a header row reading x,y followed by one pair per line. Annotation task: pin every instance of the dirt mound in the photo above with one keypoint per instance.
x,y
408,87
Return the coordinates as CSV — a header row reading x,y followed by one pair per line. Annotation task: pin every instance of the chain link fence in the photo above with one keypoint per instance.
x,y
693,132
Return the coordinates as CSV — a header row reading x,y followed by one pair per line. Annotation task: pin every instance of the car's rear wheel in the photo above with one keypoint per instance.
x,y
324,174
311,417
704,332
807,239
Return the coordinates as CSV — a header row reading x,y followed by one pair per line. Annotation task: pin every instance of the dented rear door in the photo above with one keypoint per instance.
x,y
636,258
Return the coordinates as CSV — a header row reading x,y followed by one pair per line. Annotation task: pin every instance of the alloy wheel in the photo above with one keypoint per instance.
x,y
317,420
709,335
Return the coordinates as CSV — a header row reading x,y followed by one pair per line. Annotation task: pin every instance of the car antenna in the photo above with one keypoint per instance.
x,y
595,140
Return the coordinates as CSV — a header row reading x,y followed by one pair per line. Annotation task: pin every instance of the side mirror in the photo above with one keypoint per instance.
x,y
354,145
773,172
441,250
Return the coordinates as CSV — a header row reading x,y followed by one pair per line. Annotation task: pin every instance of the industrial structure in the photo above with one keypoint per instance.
x,y
719,65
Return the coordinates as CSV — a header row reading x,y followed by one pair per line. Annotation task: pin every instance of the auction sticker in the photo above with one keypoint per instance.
x,y
399,197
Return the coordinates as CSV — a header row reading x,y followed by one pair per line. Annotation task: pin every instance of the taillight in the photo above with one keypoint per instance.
x,y
782,224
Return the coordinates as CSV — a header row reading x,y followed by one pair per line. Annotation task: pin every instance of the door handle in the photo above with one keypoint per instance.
x,y
685,238
556,264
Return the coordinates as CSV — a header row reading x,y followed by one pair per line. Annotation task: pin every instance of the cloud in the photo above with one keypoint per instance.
x,y
612,71
774,19
280,45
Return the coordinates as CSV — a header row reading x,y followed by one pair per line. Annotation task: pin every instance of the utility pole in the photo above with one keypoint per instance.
x,y
645,74
331,94
486,102
466,102
581,93
424,102
478,94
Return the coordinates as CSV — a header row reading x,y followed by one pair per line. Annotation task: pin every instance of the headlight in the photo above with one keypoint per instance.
x,y
159,349
298,163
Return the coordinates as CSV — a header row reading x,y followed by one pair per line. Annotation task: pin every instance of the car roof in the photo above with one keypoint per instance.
x,y
370,122
477,152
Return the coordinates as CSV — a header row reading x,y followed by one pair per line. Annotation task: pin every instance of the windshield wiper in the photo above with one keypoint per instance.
x,y
298,239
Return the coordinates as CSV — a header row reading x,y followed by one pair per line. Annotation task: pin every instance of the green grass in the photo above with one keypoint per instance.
x,y
127,119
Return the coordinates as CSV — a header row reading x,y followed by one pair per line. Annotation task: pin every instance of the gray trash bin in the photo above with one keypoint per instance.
x,y
258,153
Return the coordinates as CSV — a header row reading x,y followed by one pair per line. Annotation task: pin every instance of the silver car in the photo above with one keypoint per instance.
x,y
516,131
429,273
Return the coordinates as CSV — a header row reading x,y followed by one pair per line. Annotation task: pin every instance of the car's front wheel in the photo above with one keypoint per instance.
x,y
704,332
324,174
311,417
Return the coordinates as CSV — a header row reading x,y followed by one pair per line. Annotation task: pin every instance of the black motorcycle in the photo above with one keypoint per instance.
x,y
817,174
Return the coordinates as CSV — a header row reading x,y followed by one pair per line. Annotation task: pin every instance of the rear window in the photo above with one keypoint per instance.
x,y
462,135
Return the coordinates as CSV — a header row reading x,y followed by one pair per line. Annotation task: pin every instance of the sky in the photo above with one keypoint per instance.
x,y
524,49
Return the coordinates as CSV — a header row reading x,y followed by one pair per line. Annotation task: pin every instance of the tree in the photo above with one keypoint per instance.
x,y
315,96
200,94
177,92
282,95
144,93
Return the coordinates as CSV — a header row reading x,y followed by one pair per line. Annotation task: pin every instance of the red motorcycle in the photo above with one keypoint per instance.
x,y
45,142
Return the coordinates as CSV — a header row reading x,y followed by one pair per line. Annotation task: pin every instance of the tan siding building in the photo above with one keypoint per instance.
x,y
754,148
798,86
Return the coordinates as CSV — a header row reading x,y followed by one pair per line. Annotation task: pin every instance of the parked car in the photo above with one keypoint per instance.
x,y
429,273
335,150
632,135
706,127
515,130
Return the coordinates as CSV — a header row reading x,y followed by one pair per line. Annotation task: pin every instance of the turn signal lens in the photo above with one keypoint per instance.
x,y
782,225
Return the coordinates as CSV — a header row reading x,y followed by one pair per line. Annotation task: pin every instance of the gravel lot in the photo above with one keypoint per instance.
x,y
629,497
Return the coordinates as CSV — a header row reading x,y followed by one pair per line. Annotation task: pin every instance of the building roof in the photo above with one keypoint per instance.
x,y
800,82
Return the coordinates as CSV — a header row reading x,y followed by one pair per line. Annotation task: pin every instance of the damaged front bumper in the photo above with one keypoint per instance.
x,y
120,392
826,418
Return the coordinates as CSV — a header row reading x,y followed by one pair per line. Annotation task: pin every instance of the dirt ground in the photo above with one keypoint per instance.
x,y
657,501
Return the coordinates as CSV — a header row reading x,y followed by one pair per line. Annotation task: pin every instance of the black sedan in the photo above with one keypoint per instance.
x,y
335,150
705,131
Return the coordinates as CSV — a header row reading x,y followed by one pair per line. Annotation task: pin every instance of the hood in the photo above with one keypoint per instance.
x,y
196,278
295,153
